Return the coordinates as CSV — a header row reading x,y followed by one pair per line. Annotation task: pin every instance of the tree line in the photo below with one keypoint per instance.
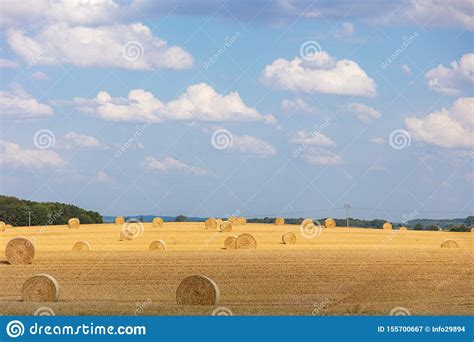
x,y
453,225
16,211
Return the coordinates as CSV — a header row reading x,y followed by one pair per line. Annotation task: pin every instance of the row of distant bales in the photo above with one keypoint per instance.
x,y
133,229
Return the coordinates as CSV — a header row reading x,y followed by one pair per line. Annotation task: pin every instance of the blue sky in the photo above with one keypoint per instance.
x,y
214,108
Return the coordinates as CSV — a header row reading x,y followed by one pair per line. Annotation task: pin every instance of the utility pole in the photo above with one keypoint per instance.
x,y
347,206
29,219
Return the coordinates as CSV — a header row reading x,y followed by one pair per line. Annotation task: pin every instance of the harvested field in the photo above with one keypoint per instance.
x,y
342,271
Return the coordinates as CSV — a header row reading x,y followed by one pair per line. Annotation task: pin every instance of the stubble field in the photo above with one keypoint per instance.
x,y
342,271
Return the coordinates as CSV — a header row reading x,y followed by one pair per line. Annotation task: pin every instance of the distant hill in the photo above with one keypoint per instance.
x,y
457,224
149,218
16,211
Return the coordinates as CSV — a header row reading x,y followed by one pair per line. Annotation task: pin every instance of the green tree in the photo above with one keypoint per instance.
x,y
181,218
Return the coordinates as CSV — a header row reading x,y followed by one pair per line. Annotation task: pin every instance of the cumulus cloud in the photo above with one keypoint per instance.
x,y
347,29
452,128
453,13
252,145
296,105
76,140
13,155
102,177
122,46
313,138
5,63
406,69
452,81
40,76
321,74
363,112
170,163
321,156
77,12
199,102
21,105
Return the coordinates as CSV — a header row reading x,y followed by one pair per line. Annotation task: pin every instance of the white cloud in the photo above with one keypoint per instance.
x,y
406,69
13,155
451,81
21,105
103,177
322,74
123,46
73,139
320,156
5,63
447,128
363,112
199,102
170,163
77,12
378,140
252,145
40,76
453,13
347,29
296,105
313,138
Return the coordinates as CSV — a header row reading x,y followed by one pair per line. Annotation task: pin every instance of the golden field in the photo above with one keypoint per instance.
x,y
343,271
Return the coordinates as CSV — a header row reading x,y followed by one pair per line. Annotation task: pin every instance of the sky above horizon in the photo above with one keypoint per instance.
x,y
253,108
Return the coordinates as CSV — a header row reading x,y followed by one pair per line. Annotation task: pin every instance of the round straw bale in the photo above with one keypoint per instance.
x,y
242,220
197,290
289,238
8,226
20,251
81,246
449,244
225,227
2,226
306,222
211,223
403,228
472,230
157,245
330,223
126,234
40,288
279,221
387,226
234,220
73,223
245,241
157,222
119,220
229,242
